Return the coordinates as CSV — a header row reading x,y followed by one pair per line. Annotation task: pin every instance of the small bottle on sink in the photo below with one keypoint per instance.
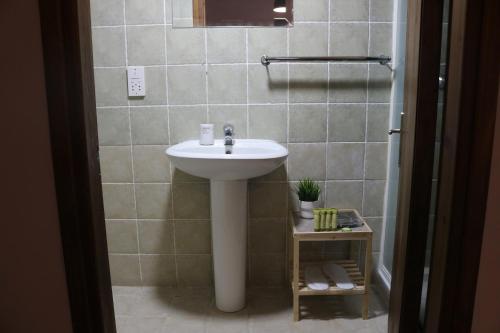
x,y
206,134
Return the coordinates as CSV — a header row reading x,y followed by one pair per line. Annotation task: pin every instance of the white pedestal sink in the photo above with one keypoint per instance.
x,y
228,174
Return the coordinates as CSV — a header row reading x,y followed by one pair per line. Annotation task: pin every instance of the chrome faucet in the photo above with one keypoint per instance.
x,y
228,138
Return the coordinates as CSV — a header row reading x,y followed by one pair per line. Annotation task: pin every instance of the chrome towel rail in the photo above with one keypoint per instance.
x,y
383,59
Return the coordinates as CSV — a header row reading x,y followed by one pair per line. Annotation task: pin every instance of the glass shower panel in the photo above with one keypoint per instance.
x,y
394,140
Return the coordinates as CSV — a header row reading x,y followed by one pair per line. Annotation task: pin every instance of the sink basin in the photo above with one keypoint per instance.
x,y
249,158
228,174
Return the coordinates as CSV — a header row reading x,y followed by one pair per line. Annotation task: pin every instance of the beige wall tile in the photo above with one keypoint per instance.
x,y
113,126
376,161
194,270
124,269
345,161
267,84
262,41
219,39
116,164
345,194
149,125
144,12
108,46
154,201
186,85
146,45
378,122
185,46
267,200
267,270
227,84
307,160
110,86
381,38
118,201
156,237
308,123
151,164
308,83
158,270
193,237
106,12
373,201
349,10
122,236
268,122
381,10
192,200
348,83
346,122
306,10
379,84
185,122
267,236
347,39
308,39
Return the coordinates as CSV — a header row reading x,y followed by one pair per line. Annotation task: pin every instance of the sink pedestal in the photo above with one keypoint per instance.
x,y
229,242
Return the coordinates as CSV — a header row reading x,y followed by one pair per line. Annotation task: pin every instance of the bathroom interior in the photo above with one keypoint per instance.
x,y
250,166
162,69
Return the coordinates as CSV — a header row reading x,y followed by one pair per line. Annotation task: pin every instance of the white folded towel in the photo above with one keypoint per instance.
x,y
339,275
315,279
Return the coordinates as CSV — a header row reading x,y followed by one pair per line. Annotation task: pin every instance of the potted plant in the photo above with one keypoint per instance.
x,y
308,192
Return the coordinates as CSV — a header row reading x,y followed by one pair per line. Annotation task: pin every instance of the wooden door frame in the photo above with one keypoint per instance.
x,y
469,128
418,135
67,47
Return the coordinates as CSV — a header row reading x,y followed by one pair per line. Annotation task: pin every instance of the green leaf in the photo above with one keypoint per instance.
x,y
308,190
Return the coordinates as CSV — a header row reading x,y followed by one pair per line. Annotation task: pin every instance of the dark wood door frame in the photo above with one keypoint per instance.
x,y
469,125
66,35
417,157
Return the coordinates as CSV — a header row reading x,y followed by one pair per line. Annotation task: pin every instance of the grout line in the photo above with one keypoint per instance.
x,y
248,85
295,22
118,107
206,72
132,148
171,192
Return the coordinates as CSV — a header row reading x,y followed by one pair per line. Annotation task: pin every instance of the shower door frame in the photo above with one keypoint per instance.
x,y
418,134
67,45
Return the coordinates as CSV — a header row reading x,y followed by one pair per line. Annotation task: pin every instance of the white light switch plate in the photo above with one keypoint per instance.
x,y
136,81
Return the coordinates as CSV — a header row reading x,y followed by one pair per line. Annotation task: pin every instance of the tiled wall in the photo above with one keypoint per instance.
x,y
332,117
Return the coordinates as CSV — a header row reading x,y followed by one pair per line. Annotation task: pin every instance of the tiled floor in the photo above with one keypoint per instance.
x,y
148,310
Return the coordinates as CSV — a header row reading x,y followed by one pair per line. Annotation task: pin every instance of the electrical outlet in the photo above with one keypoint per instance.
x,y
136,81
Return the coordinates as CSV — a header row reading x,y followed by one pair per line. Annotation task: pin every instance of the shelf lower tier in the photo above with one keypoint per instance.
x,y
352,270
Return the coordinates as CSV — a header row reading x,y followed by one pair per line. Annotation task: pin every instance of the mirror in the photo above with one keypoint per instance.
x,y
235,13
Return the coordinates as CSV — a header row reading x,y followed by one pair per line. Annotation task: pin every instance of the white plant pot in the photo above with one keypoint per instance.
x,y
306,209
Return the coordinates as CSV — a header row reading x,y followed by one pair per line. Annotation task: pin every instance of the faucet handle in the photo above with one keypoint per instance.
x,y
228,130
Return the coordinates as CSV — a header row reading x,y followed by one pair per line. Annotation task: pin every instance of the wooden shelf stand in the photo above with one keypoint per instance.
x,y
303,230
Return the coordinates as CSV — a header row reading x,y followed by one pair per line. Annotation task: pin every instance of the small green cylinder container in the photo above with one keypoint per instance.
x,y
333,212
328,214
322,223
316,219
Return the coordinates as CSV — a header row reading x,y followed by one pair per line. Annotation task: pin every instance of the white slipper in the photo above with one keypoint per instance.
x,y
339,275
315,279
